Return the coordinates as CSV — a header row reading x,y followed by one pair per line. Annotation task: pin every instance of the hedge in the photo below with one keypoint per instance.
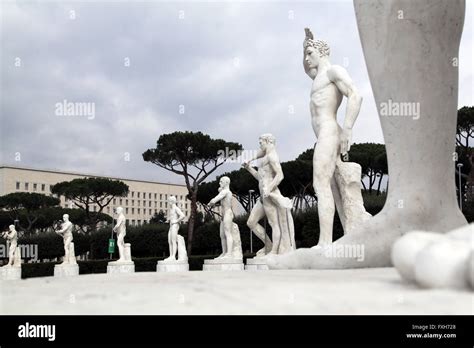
x,y
147,264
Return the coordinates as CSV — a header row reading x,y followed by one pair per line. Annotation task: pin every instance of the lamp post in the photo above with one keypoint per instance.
x,y
460,165
250,209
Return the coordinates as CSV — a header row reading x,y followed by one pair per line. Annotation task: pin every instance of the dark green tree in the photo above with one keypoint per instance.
x,y
26,207
465,126
194,156
88,192
158,218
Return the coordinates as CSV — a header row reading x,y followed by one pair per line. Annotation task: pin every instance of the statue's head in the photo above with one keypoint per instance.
x,y
224,182
11,228
266,140
172,200
66,217
314,50
119,210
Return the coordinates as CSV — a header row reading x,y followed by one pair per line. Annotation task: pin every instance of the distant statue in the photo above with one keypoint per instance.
x,y
229,231
120,229
176,242
66,232
272,204
14,257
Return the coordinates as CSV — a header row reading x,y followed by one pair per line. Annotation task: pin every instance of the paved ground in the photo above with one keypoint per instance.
x,y
363,291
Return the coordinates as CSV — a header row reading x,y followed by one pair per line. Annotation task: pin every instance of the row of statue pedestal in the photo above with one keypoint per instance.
x,y
114,267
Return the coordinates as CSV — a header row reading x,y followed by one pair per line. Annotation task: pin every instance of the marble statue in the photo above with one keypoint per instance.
x,y
13,252
12,270
124,264
69,266
229,231
336,183
436,260
120,229
66,233
231,258
411,50
272,204
177,246
175,216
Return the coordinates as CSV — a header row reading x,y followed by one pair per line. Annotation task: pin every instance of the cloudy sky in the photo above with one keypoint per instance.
x,y
235,68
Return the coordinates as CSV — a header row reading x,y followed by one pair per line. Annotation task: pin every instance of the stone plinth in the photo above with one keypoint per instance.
x,y
66,270
10,273
172,266
223,264
256,264
115,267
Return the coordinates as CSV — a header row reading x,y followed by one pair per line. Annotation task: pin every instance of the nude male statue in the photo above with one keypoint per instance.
x,y
272,203
175,216
66,233
121,231
331,83
225,197
12,237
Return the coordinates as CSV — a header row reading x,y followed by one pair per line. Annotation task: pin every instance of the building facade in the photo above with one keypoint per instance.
x,y
145,198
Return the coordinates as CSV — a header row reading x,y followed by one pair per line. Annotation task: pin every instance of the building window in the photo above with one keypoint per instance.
x,y
133,222
149,203
127,222
120,201
144,203
126,210
26,186
161,196
149,195
133,202
17,185
138,194
138,203
132,193
126,202
133,210
43,187
138,211
155,195
114,201
161,204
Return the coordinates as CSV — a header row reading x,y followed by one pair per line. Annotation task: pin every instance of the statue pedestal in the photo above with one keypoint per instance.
x,y
172,266
223,264
115,267
68,270
256,264
10,273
